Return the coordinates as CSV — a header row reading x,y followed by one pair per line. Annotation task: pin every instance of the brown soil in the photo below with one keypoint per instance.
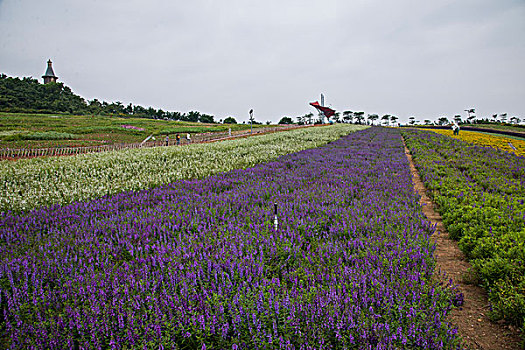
x,y
477,331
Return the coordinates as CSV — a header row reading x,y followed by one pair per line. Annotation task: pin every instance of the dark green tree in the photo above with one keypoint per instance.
x,y
373,117
230,120
286,120
347,116
139,111
443,120
393,119
191,116
359,117
307,118
206,118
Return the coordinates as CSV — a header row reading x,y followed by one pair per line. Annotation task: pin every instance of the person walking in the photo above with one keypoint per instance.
x,y
188,137
167,140
454,128
177,138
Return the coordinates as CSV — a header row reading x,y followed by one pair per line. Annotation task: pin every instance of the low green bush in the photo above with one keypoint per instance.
x,y
191,130
481,197
43,135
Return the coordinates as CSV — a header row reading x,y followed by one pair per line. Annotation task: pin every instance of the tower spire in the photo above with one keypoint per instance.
x,y
49,76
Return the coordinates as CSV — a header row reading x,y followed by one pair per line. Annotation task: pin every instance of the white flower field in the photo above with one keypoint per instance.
x,y
31,183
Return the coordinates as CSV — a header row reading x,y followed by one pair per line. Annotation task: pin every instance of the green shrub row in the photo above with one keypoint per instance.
x,y
480,192
40,135
193,130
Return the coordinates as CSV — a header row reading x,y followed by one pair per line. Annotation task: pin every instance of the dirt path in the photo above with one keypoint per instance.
x,y
471,319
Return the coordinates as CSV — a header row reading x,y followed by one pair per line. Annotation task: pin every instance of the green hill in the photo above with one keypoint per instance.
x,y
27,95
34,115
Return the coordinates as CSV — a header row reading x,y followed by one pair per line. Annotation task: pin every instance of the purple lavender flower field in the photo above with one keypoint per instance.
x,y
198,264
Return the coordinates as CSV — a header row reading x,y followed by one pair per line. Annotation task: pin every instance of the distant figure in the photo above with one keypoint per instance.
x,y
188,137
177,137
167,140
455,128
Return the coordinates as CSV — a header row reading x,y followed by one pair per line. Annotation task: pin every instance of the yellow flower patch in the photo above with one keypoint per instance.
x,y
482,139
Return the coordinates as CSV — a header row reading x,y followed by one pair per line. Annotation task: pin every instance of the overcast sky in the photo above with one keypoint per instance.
x,y
422,58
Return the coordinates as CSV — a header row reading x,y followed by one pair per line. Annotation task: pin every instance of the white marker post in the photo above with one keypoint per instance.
x,y
275,221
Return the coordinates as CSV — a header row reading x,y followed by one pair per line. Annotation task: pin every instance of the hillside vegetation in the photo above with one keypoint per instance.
x,y
26,130
34,115
27,95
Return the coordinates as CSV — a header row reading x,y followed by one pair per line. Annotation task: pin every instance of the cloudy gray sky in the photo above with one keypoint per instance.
x,y
422,58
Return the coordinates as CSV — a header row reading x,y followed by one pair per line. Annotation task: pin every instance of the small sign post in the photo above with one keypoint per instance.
x,y
275,221
251,121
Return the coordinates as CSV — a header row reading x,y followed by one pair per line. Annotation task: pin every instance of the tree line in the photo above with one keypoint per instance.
x,y
359,117
27,95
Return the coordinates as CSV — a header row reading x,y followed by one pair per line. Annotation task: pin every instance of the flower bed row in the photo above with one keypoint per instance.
x,y
501,142
199,264
480,192
31,183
